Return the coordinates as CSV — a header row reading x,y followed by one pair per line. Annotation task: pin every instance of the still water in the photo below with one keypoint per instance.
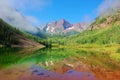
x,y
50,64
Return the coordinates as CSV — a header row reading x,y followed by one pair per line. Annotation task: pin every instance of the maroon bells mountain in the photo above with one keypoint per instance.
x,y
63,27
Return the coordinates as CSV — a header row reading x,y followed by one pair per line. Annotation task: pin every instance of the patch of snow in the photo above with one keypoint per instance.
x,y
48,28
52,30
71,27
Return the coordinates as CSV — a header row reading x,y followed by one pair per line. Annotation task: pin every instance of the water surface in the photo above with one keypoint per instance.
x,y
52,64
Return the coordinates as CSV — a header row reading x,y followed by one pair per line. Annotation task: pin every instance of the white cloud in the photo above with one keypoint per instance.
x,y
33,20
24,5
16,19
108,6
9,13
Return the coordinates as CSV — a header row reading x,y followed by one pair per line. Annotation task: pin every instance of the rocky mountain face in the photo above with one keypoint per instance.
x,y
62,27
105,21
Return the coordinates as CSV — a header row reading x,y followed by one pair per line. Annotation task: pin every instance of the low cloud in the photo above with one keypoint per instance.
x,y
33,20
108,6
87,20
10,12
16,19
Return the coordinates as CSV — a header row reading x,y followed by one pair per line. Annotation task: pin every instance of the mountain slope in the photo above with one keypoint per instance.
x,y
13,17
104,30
10,36
19,21
105,21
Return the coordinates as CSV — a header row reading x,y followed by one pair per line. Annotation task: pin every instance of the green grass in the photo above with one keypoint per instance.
x,y
99,37
115,57
118,50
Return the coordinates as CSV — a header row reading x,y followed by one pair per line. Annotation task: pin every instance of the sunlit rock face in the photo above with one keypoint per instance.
x,y
62,27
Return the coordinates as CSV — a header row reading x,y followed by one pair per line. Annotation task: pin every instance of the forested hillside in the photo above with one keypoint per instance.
x,y
10,36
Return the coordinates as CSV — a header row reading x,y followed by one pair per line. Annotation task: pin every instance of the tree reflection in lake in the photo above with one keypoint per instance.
x,y
55,64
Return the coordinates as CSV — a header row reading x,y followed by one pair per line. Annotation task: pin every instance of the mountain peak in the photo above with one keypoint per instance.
x,y
63,26
62,21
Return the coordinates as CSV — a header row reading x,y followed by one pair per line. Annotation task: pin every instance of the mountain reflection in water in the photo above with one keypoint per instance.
x,y
38,73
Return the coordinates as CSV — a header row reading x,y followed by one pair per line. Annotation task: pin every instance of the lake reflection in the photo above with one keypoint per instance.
x,y
38,73
51,64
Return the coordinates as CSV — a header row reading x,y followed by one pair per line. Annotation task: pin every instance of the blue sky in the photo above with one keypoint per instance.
x,y
71,10
43,11
37,12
